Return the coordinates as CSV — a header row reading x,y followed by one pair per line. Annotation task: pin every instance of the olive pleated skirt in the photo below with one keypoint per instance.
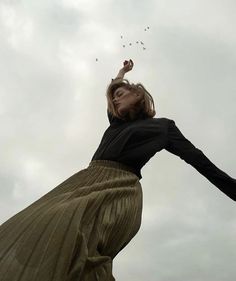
x,y
74,231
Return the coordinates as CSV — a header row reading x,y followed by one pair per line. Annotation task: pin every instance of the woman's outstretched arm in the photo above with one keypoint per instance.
x,y
182,147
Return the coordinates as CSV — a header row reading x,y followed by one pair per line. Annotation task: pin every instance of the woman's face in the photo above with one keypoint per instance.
x,y
124,100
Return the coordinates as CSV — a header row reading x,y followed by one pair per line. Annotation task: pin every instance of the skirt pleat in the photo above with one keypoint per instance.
x,y
73,232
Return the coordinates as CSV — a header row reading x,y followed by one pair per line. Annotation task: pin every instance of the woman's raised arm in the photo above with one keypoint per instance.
x,y
128,65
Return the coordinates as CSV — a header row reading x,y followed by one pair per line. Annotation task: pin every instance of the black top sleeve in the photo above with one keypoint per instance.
x,y
177,144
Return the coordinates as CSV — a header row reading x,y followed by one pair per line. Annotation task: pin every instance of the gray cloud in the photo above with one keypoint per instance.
x,y
53,115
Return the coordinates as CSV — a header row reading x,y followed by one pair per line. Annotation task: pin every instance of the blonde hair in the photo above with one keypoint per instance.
x,y
144,108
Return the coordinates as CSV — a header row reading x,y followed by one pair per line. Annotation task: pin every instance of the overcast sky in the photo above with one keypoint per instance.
x,y
53,115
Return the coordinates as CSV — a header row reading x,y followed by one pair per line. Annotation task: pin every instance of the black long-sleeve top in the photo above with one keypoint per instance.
x,y
134,142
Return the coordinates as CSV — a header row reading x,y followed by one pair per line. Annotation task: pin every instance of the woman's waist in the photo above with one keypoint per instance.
x,y
113,164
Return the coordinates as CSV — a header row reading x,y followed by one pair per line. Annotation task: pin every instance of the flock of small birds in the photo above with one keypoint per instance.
x,y
137,42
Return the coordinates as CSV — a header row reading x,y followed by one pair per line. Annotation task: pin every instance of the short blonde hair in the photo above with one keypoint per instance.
x,y
144,108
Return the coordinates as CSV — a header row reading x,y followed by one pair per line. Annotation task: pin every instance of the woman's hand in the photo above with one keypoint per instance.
x,y
128,65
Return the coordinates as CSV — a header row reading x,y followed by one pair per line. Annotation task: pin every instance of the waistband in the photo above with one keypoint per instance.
x,y
112,164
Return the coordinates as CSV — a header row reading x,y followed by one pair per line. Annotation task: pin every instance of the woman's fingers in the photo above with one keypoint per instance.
x,y
128,65
130,62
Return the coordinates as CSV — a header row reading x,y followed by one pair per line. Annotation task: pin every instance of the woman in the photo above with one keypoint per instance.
x,y
74,231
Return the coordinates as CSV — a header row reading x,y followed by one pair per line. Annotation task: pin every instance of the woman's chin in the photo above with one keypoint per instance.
x,y
122,113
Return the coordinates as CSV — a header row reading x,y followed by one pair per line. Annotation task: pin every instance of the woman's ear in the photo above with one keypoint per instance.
x,y
139,96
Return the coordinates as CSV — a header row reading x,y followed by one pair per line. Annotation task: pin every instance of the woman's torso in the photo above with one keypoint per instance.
x,y
132,142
